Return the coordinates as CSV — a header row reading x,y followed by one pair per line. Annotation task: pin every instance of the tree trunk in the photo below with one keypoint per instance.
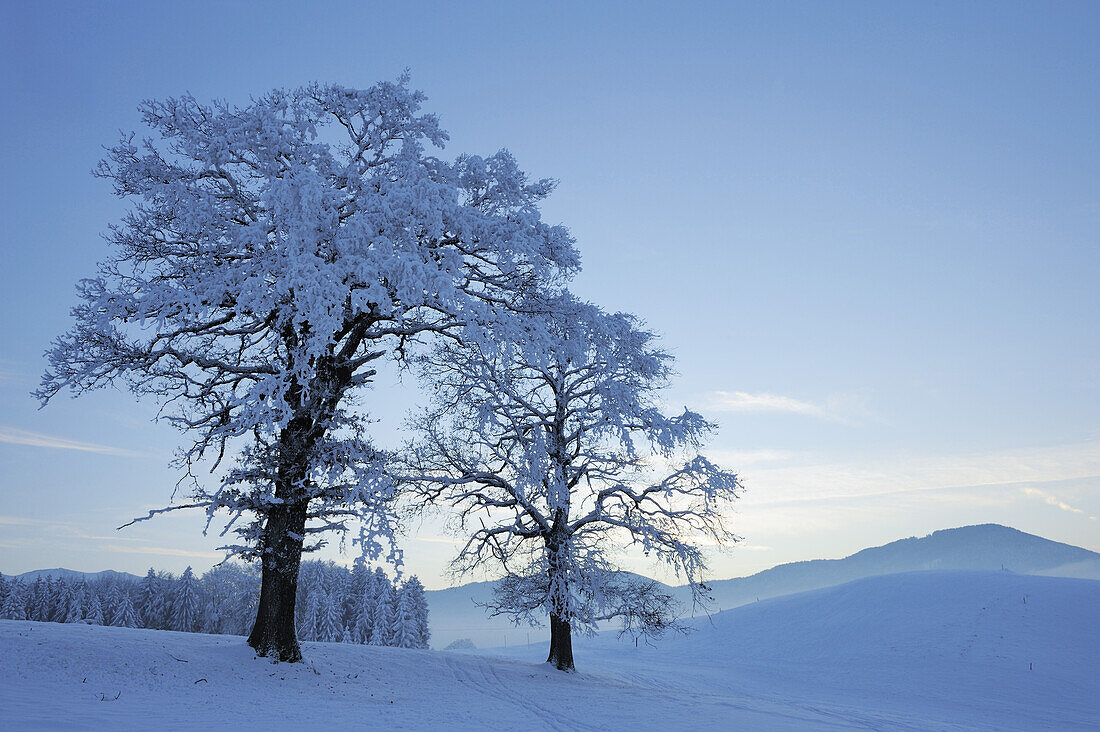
x,y
284,533
561,644
561,639
273,634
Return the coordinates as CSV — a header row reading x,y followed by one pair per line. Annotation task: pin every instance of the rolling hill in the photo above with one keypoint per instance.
x,y
455,613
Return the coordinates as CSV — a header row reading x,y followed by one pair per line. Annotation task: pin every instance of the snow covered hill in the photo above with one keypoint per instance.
x,y
455,613
992,649
982,547
927,650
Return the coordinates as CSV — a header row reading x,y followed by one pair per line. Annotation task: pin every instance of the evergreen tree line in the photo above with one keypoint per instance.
x,y
334,605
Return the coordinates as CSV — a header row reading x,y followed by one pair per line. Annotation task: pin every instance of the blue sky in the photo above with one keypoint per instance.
x,y
869,232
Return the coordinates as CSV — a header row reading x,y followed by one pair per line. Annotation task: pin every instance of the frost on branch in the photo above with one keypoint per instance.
x,y
550,445
272,254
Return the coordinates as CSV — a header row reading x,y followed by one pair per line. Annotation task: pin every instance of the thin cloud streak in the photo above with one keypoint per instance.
x,y
1052,500
13,436
744,402
163,550
800,480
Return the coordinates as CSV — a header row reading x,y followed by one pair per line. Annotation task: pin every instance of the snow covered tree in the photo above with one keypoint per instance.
x,y
364,621
40,609
124,614
152,602
186,605
14,606
328,617
410,626
74,604
549,447
273,253
93,611
381,633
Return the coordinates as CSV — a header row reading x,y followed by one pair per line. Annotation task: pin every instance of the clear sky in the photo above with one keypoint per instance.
x,y
870,232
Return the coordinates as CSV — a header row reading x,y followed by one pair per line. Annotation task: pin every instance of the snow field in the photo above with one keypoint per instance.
x,y
928,650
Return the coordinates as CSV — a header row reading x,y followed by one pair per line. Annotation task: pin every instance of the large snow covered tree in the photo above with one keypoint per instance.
x,y
550,447
272,254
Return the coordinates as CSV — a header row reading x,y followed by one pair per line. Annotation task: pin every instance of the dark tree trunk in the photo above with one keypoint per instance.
x,y
561,639
284,532
561,644
273,634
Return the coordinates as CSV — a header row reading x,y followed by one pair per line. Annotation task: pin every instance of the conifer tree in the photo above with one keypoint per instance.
x,y
14,606
40,601
365,619
151,600
124,615
406,624
419,601
94,611
328,627
381,633
185,603
74,604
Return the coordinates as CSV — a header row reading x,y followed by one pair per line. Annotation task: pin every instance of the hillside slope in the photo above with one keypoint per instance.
x,y
936,650
982,547
455,613
975,649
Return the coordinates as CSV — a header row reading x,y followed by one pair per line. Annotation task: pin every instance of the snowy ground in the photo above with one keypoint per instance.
x,y
937,650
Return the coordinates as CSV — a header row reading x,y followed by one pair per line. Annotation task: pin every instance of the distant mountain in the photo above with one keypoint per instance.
x,y
983,547
454,613
73,574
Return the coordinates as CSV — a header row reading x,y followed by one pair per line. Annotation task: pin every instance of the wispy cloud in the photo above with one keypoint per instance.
x,y
8,372
742,401
802,478
162,550
22,521
848,409
13,436
1052,500
738,459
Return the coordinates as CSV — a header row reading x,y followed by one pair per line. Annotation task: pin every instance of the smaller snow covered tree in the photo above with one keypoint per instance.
x,y
552,448
14,605
74,604
186,604
406,624
93,613
125,616
40,609
151,601
411,622
328,618
381,633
